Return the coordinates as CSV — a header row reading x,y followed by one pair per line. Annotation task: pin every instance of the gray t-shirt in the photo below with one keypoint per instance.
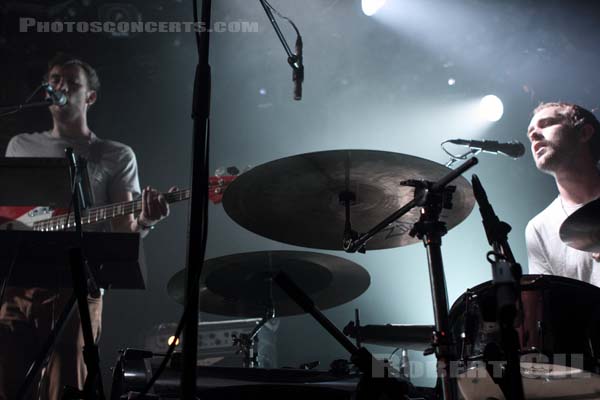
x,y
547,254
112,166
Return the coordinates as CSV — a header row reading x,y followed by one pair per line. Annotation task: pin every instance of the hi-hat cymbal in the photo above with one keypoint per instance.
x,y
241,284
581,230
296,199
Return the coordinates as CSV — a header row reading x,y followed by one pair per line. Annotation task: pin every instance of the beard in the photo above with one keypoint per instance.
x,y
546,161
552,159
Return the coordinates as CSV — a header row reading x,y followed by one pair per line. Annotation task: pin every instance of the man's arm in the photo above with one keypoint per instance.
x,y
124,186
154,209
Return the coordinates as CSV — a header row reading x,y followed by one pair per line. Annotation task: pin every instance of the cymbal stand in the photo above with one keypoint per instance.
x,y
246,341
432,198
430,230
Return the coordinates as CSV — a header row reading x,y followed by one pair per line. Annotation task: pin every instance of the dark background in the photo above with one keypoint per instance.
x,y
371,83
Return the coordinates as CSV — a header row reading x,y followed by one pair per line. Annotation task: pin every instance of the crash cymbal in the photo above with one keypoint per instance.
x,y
295,200
241,285
581,230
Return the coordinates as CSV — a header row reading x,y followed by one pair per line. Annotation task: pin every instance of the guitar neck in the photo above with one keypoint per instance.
x,y
104,213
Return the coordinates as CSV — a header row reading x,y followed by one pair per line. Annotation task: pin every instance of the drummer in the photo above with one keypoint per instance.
x,y
565,142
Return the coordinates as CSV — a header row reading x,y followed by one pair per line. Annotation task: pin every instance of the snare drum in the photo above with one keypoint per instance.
x,y
559,336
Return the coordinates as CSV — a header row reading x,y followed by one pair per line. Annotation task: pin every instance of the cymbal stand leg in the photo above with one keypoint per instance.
x,y
370,386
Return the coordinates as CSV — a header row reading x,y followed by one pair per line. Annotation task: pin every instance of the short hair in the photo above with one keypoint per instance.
x,y
63,59
576,117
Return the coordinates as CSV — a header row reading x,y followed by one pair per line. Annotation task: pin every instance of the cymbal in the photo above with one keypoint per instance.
x,y
295,199
240,284
581,230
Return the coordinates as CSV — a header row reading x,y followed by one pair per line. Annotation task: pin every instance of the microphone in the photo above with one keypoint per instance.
x,y
57,97
514,148
298,69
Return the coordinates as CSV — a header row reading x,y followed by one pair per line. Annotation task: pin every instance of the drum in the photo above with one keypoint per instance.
x,y
559,335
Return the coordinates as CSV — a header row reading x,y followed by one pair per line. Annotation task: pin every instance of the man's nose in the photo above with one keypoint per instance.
x,y
535,134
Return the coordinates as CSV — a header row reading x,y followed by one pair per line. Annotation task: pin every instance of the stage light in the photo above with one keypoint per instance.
x,y
370,7
491,108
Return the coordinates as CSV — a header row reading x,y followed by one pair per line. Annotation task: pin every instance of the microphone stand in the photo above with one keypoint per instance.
x,y
506,274
92,388
432,198
198,220
11,109
15,108
82,285
294,60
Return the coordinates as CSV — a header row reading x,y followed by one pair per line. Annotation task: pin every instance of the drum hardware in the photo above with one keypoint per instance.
x,y
369,386
306,192
581,230
432,197
464,339
134,368
506,274
413,337
311,365
246,342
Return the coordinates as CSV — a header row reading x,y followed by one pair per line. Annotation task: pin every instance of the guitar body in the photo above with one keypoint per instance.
x,y
23,218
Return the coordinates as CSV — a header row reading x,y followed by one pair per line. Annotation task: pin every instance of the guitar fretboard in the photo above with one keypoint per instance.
x,y
103,213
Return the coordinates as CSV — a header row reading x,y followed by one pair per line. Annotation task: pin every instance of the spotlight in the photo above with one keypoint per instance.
x,y
370,7
491,108
119,13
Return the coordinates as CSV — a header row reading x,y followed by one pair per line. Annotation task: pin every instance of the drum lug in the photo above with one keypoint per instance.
x,y
439,342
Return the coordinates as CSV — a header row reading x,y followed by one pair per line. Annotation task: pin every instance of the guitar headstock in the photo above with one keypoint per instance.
x,y
220,181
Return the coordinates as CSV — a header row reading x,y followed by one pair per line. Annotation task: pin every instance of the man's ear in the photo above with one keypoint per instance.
x,y
91,98
587,131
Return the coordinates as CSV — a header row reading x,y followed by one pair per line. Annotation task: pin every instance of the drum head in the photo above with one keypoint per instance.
x,y
540,381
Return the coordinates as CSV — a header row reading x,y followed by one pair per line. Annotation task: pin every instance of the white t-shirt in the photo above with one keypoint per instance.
x,y
547,254
112,166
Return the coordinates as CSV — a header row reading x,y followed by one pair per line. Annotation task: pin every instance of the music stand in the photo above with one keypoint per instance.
x,y
49,182
30,181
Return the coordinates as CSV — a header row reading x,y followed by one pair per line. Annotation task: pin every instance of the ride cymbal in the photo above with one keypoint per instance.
x,y
296,199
